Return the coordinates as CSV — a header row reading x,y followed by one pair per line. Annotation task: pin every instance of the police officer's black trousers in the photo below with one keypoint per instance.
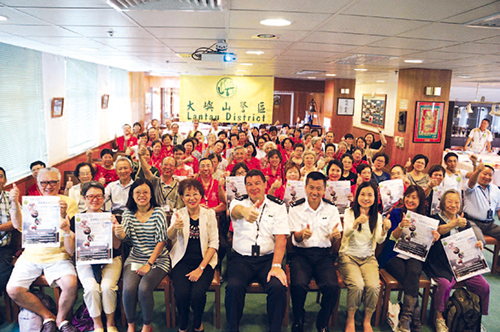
x,y
317,263
242,270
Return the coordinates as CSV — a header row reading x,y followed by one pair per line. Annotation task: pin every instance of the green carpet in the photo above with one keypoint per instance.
x,y
254,317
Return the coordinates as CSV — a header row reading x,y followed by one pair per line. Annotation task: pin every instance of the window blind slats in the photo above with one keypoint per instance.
x,y
81,104
22,121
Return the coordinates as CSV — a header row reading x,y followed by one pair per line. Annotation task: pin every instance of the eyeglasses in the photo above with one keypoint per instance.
x,y
51,183
92,197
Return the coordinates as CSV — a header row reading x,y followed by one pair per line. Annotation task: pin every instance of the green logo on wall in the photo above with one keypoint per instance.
x,y
226,88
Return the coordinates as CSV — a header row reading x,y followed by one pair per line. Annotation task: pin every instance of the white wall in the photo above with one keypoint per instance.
x,y
460,93
389,89
109,121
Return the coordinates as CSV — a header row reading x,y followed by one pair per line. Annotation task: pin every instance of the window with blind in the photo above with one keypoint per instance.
x,y
81,104
22,120
119,96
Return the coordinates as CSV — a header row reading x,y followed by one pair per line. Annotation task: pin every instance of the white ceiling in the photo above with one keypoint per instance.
x,y
321,32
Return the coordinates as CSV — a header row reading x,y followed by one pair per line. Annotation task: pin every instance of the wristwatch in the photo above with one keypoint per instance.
x,y
277,265
151,265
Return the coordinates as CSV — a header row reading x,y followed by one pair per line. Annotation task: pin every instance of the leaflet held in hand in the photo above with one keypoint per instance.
x,y
466,260
41,221
416,240
94,238
294,191
391,191
235,186
337,192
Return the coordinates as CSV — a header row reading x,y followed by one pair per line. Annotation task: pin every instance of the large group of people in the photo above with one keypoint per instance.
x,y
167,196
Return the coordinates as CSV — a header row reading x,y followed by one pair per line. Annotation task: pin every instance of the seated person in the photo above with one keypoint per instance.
x,y
6,229
106,172
35,167
116,193
182,170
380,160
257,254
53,262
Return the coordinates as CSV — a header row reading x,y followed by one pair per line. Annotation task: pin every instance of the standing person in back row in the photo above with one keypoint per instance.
x,y
260,231
315,226
480,138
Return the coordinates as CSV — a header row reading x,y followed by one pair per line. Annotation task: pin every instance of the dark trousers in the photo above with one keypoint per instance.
x,y
242,270
189,293
5,266
407,272
317,263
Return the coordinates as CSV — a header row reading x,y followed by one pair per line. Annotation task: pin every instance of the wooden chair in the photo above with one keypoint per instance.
x,y
389,284
492,241
166,285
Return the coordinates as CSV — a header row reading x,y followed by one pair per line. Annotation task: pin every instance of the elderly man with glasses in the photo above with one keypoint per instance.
x,y
54,262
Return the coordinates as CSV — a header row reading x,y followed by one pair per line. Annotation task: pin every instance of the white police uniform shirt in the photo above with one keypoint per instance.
x,y
321,222
272,221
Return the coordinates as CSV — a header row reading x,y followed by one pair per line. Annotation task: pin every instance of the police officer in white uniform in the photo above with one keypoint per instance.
x,y
315,226
261,229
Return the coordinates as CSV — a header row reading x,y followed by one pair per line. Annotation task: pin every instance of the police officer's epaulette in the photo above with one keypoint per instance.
x,y
298,202
275,199
241,197
328,201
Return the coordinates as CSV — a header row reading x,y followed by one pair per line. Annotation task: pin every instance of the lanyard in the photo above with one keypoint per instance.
x,y
258,223
487,196
207,192
165,197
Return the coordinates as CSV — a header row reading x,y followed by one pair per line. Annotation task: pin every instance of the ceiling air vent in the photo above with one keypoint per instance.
x,y
492,22
360,59
310,72
205,5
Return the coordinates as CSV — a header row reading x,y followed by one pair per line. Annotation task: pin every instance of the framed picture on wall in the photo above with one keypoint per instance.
x,y
428,122
57,107
345,106
104,101
373,110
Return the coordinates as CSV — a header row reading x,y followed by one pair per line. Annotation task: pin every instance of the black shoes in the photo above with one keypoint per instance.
x,y
68,327
298,327
49,326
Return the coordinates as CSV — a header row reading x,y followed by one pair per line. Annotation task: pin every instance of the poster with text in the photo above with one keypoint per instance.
x,y
416,240
466,260
230,99
41,221
94,238
294,191
337,192
235,186
391,191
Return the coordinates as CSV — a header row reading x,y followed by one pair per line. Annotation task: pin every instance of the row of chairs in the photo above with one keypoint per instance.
x,y
388,284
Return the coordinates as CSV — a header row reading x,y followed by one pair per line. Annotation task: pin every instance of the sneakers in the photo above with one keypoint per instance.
x,y
49,326
68,327
441,325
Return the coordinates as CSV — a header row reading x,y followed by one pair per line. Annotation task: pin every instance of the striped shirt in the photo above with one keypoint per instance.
x,y
4,217
145,236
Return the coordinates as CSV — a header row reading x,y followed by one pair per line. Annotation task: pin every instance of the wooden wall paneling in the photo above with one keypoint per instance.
x,y
340,125
411,88
288,84
282,112
137,81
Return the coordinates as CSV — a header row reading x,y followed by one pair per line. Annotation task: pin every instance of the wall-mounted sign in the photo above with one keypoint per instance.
x,y
227,98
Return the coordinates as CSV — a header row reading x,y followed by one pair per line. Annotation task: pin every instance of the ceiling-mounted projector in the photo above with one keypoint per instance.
x,y
217,52
218,57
